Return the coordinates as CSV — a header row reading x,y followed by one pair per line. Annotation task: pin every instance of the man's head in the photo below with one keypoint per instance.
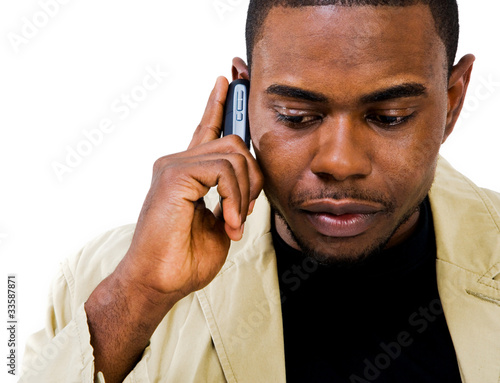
x,y
349,106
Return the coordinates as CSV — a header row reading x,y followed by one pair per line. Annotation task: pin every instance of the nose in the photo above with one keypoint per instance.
x,y
342,150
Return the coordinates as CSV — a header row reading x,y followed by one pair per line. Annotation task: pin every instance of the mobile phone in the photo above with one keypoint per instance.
x,y
236,110
236,113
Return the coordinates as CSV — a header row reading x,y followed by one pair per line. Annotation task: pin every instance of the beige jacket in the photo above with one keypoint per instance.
x,y
232,330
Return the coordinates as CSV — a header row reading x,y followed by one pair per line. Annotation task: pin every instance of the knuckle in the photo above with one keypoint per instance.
x,y
164,165
234,140
207,127
260,178
199,130
224,164
215,129
257,184
240,160
158,165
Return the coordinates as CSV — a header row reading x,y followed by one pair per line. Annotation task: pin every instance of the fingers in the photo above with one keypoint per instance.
x,y
186,180
227,145
244,167
237,188
209,128
226,163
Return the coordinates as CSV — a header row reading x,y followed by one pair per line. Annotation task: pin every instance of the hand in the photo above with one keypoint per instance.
x,y
179,245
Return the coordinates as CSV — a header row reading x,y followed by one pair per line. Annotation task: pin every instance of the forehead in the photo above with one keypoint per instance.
x,y
359,43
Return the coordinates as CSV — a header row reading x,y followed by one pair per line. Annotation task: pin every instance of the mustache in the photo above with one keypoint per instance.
x,y
360,195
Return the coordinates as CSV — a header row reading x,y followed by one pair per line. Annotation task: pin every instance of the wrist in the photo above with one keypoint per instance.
x,y
131,281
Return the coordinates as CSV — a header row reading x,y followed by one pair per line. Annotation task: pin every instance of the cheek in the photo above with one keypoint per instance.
x,y
409,166
276,156
284,161
280,163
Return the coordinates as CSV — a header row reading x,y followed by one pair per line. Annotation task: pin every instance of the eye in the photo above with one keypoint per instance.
x,y
296,118
388,121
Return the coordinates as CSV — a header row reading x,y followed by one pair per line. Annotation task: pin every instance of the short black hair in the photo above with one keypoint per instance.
x,y
444,13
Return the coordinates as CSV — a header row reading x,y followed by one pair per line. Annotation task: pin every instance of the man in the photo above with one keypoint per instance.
x,y
350,267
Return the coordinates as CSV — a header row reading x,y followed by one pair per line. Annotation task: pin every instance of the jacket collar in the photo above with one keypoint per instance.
x,y
243,308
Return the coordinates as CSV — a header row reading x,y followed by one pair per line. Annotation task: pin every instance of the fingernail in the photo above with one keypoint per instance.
x,y
251,207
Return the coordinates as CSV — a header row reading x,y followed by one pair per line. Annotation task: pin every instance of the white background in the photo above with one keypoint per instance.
x,y
68,75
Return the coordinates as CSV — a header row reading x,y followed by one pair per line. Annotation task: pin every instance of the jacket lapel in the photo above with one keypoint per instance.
x,y
468,272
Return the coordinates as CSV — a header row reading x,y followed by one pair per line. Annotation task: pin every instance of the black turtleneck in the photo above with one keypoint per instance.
x,y
380,321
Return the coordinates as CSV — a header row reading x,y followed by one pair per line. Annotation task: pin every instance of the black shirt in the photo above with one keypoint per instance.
x,y
380,321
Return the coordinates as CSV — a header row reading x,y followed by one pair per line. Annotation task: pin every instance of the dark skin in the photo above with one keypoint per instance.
x,y
341,146
356,140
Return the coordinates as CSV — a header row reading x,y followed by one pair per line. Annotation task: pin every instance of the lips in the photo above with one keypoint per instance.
x,y
341,219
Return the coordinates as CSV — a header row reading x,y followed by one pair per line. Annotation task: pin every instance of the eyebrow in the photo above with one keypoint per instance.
x,y
405,90
293,92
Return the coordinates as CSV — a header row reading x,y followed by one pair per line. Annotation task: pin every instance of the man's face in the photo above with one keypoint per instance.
x,y
348,110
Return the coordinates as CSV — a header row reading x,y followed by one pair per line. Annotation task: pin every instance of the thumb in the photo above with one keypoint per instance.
x,y
210,126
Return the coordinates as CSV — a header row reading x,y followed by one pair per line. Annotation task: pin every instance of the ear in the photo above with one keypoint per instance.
x,y
239,69
457,89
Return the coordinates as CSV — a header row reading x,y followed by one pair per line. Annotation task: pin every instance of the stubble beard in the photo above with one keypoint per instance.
x,y
344,259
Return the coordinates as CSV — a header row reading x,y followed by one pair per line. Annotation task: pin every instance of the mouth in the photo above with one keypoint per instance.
x,y
341,219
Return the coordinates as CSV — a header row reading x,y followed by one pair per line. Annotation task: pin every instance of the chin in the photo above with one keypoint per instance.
x,y
341,252
344,252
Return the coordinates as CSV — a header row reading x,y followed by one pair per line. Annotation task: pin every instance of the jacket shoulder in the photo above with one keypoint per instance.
x,y
494,197
95,261
466,221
